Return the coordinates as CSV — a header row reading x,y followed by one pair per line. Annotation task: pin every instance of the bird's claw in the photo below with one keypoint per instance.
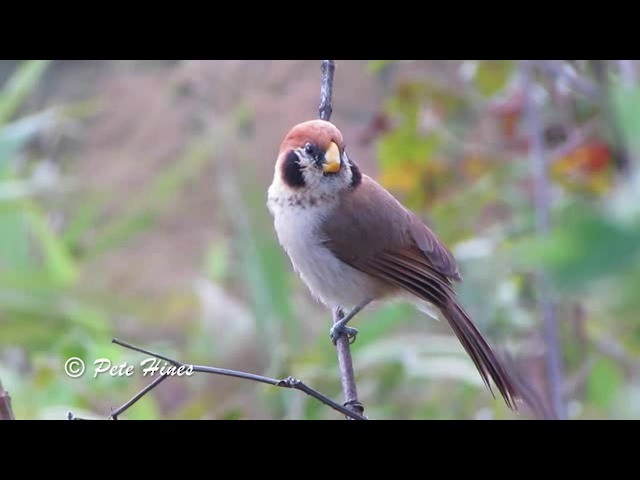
x,y
338,330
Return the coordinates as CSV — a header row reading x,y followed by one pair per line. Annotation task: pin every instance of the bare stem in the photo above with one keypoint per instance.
x,y
345,362
326,90
542,206
114,415
347,376
6,412
288,382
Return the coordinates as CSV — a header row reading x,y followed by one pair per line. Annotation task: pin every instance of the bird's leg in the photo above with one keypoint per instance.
x,y
340,324
340,329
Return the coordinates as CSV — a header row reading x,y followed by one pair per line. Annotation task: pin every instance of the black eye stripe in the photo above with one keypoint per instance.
x,y
291,171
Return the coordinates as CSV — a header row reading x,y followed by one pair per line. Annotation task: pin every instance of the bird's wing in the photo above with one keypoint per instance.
x,y
374,229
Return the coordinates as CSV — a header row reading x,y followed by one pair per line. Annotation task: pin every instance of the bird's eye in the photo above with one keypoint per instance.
x,y
309,148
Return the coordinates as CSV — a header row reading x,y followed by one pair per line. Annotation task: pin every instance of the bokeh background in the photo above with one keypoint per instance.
x,y
132,205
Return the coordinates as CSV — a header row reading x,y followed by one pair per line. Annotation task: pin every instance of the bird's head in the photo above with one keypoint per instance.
x,y
312,157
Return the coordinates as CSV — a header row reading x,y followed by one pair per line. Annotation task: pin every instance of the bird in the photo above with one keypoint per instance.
x,y
353,243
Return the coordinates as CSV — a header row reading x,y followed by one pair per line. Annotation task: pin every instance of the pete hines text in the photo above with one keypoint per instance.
x,y
150,367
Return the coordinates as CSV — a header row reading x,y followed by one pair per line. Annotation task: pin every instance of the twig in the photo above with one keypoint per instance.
x,y
288,382
138,396
347,377
326,89
542,205
6,412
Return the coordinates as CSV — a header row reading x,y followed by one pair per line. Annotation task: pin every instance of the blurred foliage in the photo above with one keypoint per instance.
x,y
593,251
449,140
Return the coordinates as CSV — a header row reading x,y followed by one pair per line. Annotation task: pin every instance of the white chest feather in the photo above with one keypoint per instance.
x,y
330,280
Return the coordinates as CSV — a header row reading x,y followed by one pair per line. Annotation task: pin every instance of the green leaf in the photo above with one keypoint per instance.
x,y
14,241
34,280
15,135
58,260
377,66
404,145
120,230
492,76
34,335
90,319
382,322
19,86
14,233
583,248
626,106
604,383
217,261
266,274
81,221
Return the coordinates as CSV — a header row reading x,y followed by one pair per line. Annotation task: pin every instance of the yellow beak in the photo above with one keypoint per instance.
x,y
332,159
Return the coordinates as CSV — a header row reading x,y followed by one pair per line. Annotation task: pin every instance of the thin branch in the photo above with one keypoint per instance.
x,y
6,412
347,376
138,396
326,90
542,205
288,382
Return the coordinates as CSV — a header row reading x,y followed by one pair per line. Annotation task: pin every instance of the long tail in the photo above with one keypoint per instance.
x,y
481,353
421,279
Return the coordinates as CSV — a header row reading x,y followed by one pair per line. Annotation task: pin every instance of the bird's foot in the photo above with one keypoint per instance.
x,y
339,329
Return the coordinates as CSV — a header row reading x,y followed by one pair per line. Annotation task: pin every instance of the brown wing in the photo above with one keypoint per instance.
x,y
369,211
375,234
